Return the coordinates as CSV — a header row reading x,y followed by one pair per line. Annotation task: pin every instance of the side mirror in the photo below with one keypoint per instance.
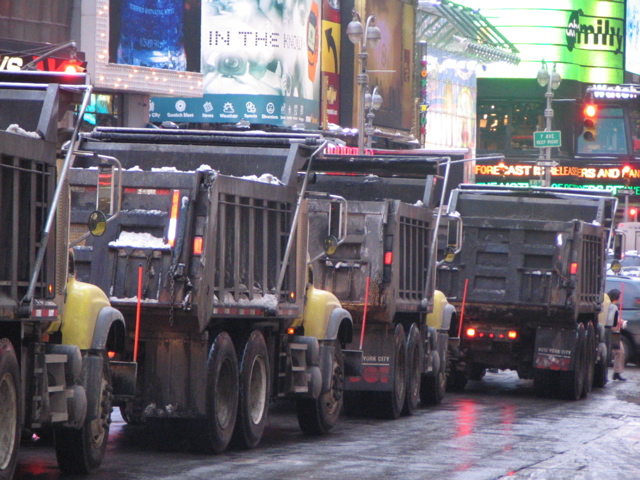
x,y
618,243
97,223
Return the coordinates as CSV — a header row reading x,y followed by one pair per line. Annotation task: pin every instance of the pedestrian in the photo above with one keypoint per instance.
x,y
616,342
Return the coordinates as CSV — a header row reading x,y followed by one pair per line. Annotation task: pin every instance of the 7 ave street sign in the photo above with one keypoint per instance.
x,y
546,139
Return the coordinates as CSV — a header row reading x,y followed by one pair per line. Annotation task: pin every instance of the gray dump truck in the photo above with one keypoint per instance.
x,y
529,285
206,257
373,243
55,331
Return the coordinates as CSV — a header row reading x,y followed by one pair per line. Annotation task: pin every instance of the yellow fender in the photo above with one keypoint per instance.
x,y
323,315
87,317
440,318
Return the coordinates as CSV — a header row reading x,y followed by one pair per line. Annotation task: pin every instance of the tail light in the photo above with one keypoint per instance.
x,y
197,245
173,219
573,268
471,332
388,258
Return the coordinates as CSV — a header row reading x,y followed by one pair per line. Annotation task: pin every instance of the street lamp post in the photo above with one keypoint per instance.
x,y
368,36
552,82
373,102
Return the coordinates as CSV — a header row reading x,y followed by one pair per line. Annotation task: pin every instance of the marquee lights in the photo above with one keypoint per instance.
x,y
128,78
613,173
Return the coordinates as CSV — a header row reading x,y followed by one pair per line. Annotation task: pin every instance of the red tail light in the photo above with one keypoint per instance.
x,y
573,268
197,245
388,258
173,219
471,332
512,334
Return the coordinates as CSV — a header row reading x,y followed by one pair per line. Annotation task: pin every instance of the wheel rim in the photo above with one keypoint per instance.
x,y
99,425
224,393
257,389
334,397
416,373
8,419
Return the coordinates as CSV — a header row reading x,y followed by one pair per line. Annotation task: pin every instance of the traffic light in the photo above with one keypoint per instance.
x,y
633,214
589,123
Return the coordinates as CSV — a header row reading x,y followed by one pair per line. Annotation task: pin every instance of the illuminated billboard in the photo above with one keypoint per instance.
x,y
259,62
584,38
102,36
632,37
586,176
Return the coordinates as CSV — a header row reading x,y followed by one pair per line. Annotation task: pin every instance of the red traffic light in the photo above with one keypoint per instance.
x,y
590,110
633,213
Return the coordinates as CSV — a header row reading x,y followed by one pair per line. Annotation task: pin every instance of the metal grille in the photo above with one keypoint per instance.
x,y
413,251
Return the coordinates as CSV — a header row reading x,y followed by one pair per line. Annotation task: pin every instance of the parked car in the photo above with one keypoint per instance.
x,y
630,293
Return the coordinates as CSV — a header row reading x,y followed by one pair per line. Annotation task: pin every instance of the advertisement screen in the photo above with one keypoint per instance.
x,y
162,34
584,38
259,61
632,37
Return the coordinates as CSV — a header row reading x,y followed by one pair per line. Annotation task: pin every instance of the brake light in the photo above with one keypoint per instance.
x,y
512,334
291,331
173,219
111,354
471,332
573,268
388,258
197,245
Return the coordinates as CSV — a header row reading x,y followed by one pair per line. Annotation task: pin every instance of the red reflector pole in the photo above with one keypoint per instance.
x,y
464,301
138,305
364,312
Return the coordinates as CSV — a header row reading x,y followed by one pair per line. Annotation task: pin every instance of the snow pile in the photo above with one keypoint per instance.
x,y
18,130
139,240
264,178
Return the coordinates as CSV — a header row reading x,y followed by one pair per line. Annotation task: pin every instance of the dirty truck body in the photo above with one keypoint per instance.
x,y
54,330
529,284
226,320
381,271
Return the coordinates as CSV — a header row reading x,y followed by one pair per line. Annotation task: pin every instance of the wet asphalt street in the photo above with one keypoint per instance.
x,y
496,429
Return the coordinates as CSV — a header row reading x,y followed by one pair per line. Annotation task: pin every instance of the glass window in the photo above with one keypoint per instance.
x,y
508,126
610,134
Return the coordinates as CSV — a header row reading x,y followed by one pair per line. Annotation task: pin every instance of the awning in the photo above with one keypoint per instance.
x,y
451,27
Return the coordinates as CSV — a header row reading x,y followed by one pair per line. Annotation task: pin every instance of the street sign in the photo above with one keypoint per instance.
x,y
547,139
547,163
534,182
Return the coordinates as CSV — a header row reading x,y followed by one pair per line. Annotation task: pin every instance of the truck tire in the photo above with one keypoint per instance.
x,y
222,393
81,451
434,386
415,355
253,399
477,372
11,408
543,382
390,403
572,382
590,360
318,416
601,372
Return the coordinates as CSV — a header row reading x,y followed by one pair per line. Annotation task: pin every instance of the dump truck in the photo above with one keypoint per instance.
x,y
55,331
207,260
373,223
529,284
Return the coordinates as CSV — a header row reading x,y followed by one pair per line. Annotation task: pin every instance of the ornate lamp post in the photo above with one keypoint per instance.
x,y
367,36
373,102
552,82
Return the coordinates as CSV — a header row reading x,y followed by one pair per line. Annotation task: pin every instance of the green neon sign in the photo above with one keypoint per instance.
x,y
584,39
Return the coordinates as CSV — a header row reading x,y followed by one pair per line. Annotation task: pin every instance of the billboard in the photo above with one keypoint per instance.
x,y
632,37
103,34
609,178
259,62
584,37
